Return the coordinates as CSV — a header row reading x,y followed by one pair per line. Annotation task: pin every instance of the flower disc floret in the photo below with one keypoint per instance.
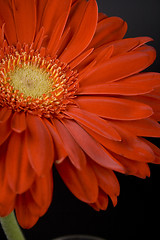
x,y
39,85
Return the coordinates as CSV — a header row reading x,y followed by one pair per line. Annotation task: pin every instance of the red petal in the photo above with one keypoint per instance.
x,y
138,169
39,145
73,22
75,154
102,201
2,35
91,147
57,34
107,181
18,123
19,172
5,131
6,17
53,11
87,28
80,58
25,20
109,29
134,85
145,127
115,68
42,190
82,183
24,216
60,153
93,122
130,147
114,108
4,114
7,196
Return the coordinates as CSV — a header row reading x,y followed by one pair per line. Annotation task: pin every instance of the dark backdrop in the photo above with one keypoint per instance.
x,y
136,215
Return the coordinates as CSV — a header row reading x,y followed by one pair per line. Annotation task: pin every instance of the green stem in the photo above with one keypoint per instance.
x,y
11,227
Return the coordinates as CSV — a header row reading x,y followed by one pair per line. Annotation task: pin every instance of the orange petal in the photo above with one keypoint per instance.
x,y
19,172
57,34
52,13
102,201
6,16
107,181
18,123
82,183
25,20
80,58
75,154
144,127
5,131
39,39
138,169
134,85
78,43
39,145
42,190
92,148
151,101
4,114
114,108
60,153
109,29
23,202
130,147
2,35
7,196
93,122
115,68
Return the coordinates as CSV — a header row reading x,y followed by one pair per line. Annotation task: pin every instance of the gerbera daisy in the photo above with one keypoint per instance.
x,y
71,93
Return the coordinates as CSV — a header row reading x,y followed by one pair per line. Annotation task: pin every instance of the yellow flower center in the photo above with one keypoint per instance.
x,y
31,81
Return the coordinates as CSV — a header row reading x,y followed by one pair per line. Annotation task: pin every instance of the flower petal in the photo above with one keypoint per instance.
x,y
78,43
39,145
94,122
107,181
60,153
42,190
22,209
7,196
115,68
52,12
82,183
5,131
75,154
144,127
138,169
18,123
109,29
114,108
102,201
4,114
134,85
92,148
131,147
25,20
6,16
19,172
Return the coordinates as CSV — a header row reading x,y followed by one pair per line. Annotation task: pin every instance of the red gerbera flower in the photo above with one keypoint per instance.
x,y
71,93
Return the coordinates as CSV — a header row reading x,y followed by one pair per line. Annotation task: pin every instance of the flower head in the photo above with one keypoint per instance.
x,y
71,93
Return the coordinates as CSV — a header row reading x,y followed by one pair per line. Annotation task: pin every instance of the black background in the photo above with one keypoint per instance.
x,y
137,214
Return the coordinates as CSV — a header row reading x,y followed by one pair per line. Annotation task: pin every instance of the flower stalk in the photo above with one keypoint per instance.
x,y
11,227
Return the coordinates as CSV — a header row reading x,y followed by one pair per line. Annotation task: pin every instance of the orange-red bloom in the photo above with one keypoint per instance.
x,y
71,93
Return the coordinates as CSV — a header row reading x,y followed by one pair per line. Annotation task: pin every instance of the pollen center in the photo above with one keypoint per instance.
x,y
31,81
34,83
